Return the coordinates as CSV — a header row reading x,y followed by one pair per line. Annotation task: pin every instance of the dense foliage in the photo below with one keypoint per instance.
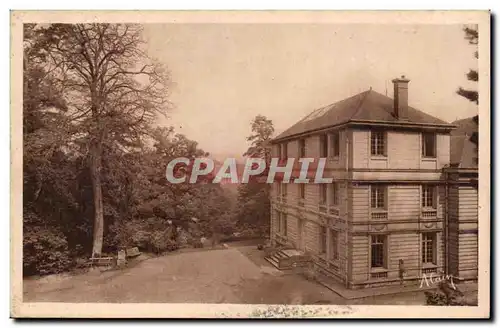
x,y
80,142
472,35
253,197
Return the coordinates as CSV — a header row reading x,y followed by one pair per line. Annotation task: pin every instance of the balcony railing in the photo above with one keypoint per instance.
x,y
429,213
378,275
429,270
379,215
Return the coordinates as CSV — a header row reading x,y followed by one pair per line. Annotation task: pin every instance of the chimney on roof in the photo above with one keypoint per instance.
x,y
401,97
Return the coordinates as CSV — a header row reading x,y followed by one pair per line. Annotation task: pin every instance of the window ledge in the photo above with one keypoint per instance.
x,y
377,270
378,157
429,159
429,266
376,210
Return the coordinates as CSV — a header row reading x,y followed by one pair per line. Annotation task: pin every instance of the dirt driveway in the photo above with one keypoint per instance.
x,y
234,275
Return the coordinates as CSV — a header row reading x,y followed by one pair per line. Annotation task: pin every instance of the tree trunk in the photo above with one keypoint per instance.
x,y
95,174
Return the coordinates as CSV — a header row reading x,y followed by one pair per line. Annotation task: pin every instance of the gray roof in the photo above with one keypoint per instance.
x,y
463,152
365,106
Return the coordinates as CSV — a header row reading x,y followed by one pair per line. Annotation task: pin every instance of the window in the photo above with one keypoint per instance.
x,y
429,248
428,145
378,143
429,196
334,234
283,219
284,151
334,144
334,194
323,143
278,189
278,151
378,251
378,194
302,148
302,191
322,193
278,221
322,246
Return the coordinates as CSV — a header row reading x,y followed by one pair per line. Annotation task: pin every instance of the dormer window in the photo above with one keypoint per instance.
x,y
429,145
378,142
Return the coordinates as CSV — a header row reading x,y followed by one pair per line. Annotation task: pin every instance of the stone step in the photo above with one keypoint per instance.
x,y
280,255
276,259
273,261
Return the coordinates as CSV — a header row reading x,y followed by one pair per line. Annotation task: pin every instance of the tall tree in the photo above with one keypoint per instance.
x,y
113,90
472,35
253,197
262,131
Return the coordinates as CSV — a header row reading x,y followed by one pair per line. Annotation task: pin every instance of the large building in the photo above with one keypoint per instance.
x,y
396,196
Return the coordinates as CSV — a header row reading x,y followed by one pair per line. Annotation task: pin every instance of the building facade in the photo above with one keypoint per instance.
x,y
462,182
384,216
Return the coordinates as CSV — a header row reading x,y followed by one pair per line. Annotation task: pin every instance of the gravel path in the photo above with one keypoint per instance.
x,y
205,276
233,275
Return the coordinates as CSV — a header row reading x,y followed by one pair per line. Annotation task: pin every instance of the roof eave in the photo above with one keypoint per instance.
x,y
407,124
309,132
354,122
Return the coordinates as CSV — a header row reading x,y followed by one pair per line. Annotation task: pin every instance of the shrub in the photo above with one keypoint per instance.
x,y
45,251
435,298
171,245
161,242
151,235
447,294
197,243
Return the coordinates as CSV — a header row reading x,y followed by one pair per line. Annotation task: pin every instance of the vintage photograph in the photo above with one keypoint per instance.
x,y
292,166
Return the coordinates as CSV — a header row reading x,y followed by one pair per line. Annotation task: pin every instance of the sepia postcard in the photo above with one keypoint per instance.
x,y
250,164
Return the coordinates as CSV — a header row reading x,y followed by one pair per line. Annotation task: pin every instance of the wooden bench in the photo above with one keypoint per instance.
x,y
100,261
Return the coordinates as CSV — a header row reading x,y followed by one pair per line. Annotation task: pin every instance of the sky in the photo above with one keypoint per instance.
x,y
225,74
